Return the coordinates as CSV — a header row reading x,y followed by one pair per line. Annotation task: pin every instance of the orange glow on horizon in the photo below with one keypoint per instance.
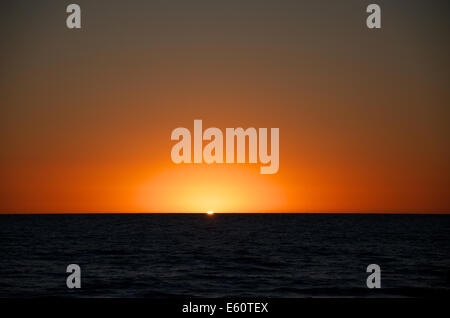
x,y
204,188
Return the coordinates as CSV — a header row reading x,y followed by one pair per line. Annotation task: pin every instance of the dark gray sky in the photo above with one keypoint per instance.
x,y
363,114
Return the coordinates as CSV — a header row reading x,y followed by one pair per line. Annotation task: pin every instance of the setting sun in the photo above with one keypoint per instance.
x,y
210,212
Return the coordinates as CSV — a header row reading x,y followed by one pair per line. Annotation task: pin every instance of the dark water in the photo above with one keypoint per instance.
x,y
273,255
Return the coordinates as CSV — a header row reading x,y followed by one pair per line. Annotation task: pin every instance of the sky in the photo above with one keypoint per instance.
x,y
86,115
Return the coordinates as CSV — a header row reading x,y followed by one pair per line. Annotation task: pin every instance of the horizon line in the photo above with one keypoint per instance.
x,y
393,212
